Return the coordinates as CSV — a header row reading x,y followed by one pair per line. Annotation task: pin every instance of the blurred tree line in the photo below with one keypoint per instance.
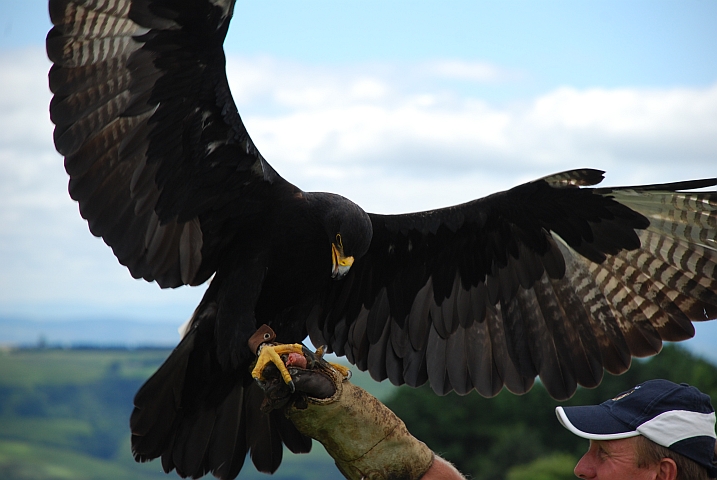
x,y
519,437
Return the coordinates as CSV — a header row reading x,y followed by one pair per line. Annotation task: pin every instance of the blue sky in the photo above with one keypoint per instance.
x,y
583,44
648,43
399,105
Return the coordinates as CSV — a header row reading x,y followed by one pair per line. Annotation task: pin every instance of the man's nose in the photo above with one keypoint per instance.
x,y
583,468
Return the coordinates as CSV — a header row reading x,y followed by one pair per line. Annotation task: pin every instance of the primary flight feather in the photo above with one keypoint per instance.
x,y
554,278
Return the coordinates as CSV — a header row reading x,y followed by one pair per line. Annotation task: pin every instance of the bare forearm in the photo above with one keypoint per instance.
x,y
442,470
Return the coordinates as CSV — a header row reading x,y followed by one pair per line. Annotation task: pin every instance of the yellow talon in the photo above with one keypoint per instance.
x,y
271,354
345,371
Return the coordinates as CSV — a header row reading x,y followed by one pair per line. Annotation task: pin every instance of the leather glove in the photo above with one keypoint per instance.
x,y
364,437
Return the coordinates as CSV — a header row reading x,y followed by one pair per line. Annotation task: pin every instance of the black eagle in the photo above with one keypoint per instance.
x,y
554,278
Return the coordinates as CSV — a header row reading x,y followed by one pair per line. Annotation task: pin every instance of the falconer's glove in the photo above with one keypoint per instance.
x,y
364,437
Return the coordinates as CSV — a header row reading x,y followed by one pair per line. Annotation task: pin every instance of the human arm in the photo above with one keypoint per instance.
x,y
363,436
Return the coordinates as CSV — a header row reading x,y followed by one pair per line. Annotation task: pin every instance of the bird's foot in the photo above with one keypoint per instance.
x,y
318,356
272,354
345,371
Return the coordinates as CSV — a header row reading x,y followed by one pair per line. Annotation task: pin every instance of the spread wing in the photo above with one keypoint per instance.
x,y
159,160
545,279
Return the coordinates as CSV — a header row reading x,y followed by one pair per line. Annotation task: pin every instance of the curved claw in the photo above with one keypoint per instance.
x,y
345,371
272,354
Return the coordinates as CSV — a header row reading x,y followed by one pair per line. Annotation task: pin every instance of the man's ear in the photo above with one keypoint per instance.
x,y
667,469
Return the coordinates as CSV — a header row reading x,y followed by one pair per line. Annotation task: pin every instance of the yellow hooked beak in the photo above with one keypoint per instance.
x,y
340,263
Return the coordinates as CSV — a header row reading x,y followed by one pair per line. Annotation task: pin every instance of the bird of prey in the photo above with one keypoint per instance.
x,y
554,278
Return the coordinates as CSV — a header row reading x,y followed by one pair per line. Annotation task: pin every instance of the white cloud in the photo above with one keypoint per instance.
x,y
391,138
49,262
416,128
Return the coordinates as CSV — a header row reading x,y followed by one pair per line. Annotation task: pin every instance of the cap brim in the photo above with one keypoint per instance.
x,y
593,422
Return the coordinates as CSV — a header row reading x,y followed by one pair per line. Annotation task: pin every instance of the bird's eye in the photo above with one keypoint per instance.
x,y
338,241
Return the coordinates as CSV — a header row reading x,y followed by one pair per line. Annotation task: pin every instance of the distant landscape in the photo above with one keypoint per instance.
x,y
64,414
66,390
122,332
18,331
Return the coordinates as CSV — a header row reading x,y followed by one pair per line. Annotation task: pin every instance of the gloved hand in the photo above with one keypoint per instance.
x,y
364,437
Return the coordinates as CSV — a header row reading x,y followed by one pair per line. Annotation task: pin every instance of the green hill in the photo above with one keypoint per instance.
x,y
64,414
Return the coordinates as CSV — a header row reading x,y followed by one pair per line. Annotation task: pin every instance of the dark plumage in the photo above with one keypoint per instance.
x,y
553,278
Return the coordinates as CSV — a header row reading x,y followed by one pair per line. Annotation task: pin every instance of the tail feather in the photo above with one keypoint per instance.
x,y
226,439
200,418
232,468
191,442
292,438
263,437
157,403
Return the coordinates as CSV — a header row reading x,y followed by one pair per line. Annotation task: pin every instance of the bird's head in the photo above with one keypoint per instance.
x,y
349,230
340,260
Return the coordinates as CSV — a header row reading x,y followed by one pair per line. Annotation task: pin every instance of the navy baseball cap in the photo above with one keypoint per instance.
x,y
678,417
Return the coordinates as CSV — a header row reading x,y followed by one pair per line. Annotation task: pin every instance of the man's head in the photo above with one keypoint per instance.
x,y
655,427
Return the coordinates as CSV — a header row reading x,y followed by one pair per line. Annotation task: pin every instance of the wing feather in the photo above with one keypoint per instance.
x,y
512,378
457,363
415,371
574,341
479,358
394,362
357,343
518,344
437,352
418,320
376,360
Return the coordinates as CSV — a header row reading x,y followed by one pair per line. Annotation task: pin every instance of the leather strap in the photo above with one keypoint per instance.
x,y
263,334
